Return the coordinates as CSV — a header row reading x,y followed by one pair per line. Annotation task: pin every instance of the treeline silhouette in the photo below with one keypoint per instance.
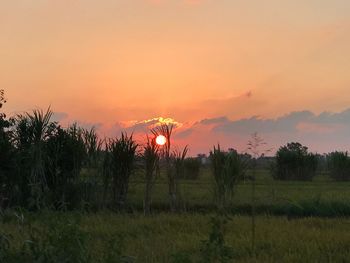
x,y
43,165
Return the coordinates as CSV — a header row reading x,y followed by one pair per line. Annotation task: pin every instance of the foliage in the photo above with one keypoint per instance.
x,y
339,166
113,252
214,249
227,169
63,241
294,162
65,156
151,161
177,171
120,158
4,247
7,158
166,130
93,147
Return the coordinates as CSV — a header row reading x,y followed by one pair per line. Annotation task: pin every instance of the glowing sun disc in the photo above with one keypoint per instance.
x,y
161,140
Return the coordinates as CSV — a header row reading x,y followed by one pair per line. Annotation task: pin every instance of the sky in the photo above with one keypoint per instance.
x,y
219,69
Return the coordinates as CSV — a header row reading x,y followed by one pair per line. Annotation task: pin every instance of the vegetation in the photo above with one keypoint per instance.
x,y
121,154
151,159
227,169
192,168
52,178
339,166
294,162
170,237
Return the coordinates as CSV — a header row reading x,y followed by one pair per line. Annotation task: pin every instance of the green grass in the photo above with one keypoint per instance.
x,y
159,238
297,222
321,197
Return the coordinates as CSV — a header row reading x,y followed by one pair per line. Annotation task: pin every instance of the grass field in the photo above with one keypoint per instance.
x,y
176,238
296,222
321,197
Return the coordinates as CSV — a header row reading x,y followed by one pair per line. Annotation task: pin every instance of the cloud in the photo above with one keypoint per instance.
x,y
286,123
144,126
299,121
214,120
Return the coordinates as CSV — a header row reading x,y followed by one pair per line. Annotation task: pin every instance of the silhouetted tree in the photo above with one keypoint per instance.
x,y
294,162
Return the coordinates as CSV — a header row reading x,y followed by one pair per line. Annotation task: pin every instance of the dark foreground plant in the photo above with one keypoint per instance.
x,y
214,249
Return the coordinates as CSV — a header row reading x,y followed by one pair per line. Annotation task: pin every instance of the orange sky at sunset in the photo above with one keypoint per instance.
x,y
221,69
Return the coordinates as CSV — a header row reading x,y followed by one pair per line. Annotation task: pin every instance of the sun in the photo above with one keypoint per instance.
x,y
161,140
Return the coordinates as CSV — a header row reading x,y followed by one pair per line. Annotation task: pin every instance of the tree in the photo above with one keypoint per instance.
x,y
294,162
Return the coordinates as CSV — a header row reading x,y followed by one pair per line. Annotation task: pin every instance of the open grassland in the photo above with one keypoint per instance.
x,y
321,197
179,237
296,222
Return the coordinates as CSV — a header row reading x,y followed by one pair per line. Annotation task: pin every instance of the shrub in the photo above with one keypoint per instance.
x,y
293,162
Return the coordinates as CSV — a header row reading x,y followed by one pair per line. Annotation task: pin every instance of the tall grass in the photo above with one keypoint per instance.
x,y
227,169
151,159
32,130
166,130
121,155
177,172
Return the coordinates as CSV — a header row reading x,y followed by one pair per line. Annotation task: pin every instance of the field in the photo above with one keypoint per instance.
x,y
296,222
321,197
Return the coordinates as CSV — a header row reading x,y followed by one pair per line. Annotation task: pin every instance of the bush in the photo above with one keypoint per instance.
x,y
293,162
339,166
